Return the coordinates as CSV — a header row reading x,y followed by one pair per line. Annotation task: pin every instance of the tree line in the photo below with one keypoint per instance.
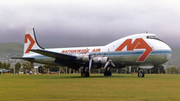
x,y
27,67
5,65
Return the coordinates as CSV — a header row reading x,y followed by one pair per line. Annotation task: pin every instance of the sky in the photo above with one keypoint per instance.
x,y
71,23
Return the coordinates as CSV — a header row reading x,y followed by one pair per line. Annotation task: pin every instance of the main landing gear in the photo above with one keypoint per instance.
x,y
107,72
85,72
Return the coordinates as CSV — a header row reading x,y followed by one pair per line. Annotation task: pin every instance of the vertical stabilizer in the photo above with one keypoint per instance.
x,y
30,41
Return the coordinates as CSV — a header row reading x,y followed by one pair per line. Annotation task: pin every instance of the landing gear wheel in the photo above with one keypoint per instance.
x,y
87,74
107,73
140,74
84,74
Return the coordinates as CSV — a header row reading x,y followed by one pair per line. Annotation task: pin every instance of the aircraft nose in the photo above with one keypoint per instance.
x,y
166,50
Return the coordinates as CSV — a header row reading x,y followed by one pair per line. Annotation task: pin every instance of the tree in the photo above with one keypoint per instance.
x,y
8,66
27,66
53,68
0,64
41,69
172,70
4,65
11,70
17,67
46,66
158,69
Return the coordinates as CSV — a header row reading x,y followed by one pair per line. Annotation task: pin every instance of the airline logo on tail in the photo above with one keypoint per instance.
x,y
32,42
139,43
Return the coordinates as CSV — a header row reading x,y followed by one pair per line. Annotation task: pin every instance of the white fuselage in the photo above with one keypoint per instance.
x,y
135,50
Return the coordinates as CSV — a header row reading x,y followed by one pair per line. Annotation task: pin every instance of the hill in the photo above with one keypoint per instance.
x,y
11,47
8,50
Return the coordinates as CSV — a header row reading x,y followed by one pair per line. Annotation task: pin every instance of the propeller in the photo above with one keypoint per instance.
x,y
102,59
109,62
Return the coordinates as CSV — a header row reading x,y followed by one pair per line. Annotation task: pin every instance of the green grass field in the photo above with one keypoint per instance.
x,y
70,87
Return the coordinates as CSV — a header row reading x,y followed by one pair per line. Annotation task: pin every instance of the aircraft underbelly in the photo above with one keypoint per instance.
x,y
132,60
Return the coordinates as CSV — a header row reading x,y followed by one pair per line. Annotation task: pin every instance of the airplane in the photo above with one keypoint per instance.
x,y
143,50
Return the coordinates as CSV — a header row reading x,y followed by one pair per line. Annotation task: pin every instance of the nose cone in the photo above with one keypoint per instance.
x,y
166,50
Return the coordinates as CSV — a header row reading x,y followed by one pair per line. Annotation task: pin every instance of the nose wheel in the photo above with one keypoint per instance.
x,y
140,74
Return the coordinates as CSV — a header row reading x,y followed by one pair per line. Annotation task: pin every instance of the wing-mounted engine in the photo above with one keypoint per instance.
x,y
100,59
85,57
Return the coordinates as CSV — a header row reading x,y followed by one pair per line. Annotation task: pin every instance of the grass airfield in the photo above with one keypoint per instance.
x,y
70,87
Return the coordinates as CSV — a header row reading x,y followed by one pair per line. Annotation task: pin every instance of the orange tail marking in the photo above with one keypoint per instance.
x,y
28,36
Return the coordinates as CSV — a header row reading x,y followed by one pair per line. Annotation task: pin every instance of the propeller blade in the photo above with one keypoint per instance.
x,y
90,63
112,63
107,63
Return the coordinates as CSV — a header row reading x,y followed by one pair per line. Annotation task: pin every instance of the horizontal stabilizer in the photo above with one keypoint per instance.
x,y
24,58
53,54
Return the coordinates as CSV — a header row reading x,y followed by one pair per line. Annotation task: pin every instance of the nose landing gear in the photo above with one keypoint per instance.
x,y
140,72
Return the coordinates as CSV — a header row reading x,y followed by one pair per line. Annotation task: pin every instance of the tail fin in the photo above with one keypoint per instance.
x,y
30,41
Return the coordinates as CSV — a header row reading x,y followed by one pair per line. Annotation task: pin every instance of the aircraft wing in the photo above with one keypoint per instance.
x,y
53,54
24,58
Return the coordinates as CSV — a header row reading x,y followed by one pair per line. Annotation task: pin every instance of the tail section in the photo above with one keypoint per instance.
x,y
30,41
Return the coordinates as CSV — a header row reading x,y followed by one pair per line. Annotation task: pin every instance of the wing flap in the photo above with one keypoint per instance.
x,y
53,54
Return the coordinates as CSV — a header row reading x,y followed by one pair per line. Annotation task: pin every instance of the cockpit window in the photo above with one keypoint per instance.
x,y
151,37
154,37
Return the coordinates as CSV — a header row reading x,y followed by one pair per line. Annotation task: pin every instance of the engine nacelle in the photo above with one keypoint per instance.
x,y
102,60
83,57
